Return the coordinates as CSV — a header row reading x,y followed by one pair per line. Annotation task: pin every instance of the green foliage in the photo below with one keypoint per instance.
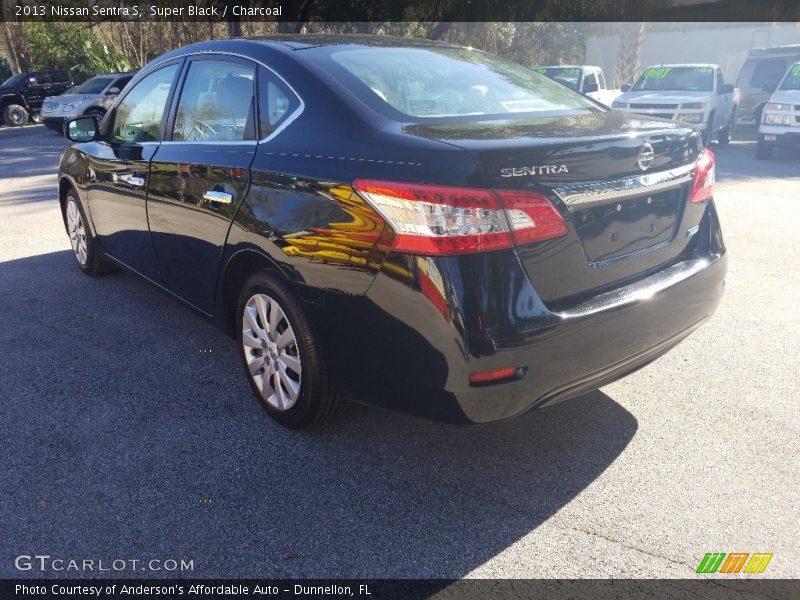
x,y
70,46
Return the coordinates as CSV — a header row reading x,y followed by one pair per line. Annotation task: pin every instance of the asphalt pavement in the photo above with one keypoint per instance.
x,y
128,430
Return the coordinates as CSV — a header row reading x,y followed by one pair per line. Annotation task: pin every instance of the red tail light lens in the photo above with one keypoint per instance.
x,y
441,220
497,376
704,177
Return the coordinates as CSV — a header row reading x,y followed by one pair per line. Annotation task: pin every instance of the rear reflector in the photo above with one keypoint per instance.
x,y
497,376
704,177
441,220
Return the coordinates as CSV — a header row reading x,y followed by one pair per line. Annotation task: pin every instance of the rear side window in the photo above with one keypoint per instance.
x,y
768,71
216,103
139,116
455,82
276,102
122,82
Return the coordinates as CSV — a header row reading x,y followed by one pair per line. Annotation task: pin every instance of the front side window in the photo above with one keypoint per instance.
x,y
590,82
122,82
676,79
216,103
140,114
455,82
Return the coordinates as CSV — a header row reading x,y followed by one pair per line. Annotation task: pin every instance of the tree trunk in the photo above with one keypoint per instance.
x,y
631,38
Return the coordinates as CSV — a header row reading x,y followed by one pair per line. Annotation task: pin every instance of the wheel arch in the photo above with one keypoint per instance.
x,y
238,269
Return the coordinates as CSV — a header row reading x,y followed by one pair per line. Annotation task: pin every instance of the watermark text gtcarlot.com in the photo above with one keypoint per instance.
x,y
45,563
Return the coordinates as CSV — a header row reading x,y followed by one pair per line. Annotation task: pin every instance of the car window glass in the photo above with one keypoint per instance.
x,y
569,76
122,82
589,80
792,79
602,79
216,103
95,85
276,102
455,82
676,79
768,72
139,115
720,80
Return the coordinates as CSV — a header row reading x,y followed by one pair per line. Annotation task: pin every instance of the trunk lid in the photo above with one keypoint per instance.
x,y
620,181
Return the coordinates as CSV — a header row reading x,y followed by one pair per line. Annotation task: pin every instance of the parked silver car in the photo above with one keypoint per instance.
x,y
92,97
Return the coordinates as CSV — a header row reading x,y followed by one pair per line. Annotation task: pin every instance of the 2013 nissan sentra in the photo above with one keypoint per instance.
x,y
403,223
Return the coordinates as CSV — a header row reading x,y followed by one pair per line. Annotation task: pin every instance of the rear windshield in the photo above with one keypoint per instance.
x,y
93,86
455,82
792,79
570,76
688,79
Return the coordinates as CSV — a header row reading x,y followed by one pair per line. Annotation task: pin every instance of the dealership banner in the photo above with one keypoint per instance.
x,y
399,589
398,10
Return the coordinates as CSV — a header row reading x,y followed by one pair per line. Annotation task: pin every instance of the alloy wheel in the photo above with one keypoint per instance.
x,y
17,116
77,232
271,350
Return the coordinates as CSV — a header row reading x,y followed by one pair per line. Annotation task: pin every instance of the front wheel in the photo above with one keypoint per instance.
x,y
15,115
282,357
763,148
83,245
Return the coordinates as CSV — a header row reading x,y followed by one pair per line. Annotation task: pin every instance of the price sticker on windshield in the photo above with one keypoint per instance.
x,y
541,71
657,73
703,70
796,70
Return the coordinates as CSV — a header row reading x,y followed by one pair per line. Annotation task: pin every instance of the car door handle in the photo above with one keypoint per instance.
x,y
218,196
133,179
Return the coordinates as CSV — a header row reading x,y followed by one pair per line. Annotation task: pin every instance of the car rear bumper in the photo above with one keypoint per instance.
x,y
412,342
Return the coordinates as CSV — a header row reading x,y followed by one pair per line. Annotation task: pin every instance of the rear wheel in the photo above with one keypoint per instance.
x,y
763,148
83,245
281,355
15,115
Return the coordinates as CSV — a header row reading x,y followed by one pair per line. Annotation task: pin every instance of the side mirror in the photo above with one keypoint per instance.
x,y
590,87
113,91
769,87
726,88
81,129
625,87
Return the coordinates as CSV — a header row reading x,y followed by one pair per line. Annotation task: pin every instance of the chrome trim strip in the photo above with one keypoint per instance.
x,y
296,113
641,290
582,194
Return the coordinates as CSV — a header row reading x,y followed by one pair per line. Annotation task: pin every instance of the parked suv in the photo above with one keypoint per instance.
x,y
759,77
21,95
92,97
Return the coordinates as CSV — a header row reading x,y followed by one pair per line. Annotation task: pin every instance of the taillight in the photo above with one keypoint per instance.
x,y
704,177
441,219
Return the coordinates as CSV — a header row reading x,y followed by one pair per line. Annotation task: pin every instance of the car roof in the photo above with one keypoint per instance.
x,y
567,67
711,65
315,40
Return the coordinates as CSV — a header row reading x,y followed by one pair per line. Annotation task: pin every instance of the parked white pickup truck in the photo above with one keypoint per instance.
x,y
780,120
692,93
586,79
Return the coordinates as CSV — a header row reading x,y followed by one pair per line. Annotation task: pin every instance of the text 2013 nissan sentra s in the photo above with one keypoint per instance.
x,y
403,223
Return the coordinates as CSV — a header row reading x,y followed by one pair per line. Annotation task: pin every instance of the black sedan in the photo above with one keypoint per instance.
x,y
403,223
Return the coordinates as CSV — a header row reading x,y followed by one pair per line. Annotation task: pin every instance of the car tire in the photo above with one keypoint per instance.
x,y
15,115
84,247
282,357
763,148
724,136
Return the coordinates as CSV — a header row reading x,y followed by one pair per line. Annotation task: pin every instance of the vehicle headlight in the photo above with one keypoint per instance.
x,y
73,105
774,106
694,105
616,104
777,119
690,117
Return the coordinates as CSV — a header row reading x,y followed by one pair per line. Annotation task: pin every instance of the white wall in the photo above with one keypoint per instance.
x,y
725,44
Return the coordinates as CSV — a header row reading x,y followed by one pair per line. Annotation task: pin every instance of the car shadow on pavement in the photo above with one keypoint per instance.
x,y
129,431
